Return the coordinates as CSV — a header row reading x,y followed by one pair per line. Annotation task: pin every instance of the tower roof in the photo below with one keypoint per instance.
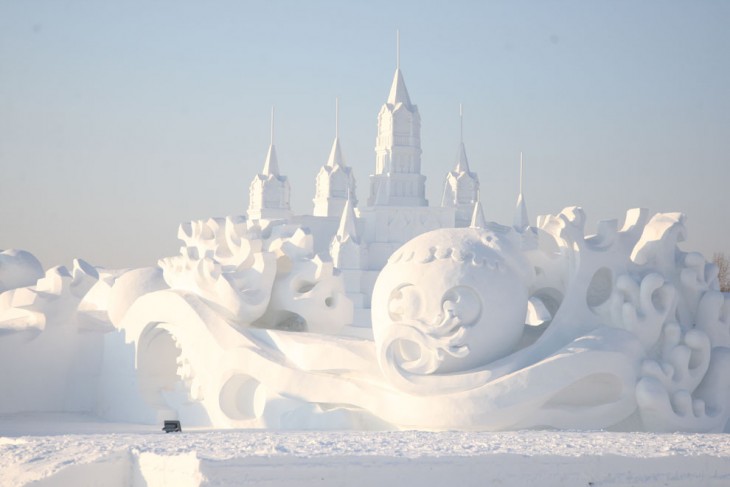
x,y
336,159
462,163
271,165
348,227
477,218
398,91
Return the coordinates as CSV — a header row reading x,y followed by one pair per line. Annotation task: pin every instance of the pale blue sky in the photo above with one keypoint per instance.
x,y
118,120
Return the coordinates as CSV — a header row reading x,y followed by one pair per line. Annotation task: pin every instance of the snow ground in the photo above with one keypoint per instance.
x,y
73,450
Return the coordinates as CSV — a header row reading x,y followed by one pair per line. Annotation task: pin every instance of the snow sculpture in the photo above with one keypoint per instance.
x,y
268,278
450,301
398,180
480,327
521,220
487,327
269,191
461,189
335,183
51,335
632,333
18,268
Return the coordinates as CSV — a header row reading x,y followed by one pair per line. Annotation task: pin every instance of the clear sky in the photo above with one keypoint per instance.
x,y
119,120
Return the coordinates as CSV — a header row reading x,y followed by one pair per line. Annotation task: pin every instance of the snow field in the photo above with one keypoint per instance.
x,y
228,458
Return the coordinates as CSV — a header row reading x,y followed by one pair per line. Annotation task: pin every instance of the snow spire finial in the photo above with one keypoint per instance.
x,y
462,163
272,124
461,123
521,220
271,165
336,159
477,216
397,49
347,229
522,170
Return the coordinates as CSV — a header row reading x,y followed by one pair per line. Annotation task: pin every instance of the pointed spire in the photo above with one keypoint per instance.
x,y
271,165
398,92
522,170
521,220
462,163
336,159
348,222
477,218
461,123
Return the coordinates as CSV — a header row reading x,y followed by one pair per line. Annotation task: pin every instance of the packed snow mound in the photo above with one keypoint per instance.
x,y
481,328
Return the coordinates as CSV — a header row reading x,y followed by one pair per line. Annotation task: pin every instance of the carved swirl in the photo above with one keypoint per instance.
x,y
413,345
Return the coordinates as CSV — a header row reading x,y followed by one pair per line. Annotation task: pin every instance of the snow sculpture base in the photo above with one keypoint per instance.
x,y
473,328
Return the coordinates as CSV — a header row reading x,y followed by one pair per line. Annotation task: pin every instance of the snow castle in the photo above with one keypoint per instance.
x,y
393,315
359,241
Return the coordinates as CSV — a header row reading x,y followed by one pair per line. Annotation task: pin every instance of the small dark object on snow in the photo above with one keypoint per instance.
x,y
172,426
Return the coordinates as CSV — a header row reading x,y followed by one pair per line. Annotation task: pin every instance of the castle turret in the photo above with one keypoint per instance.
x,y
398,180
346,248
462,186
335,181
349,254
269,190
397,209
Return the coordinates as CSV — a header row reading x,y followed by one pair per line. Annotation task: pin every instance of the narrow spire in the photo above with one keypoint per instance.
x,y
477,217
398,92
271,165
461,123
272,124
348,222
462,163
336,158
337,117
521,220
522,170
446,189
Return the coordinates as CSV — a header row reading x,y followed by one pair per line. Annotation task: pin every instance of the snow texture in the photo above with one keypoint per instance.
x,y
65,450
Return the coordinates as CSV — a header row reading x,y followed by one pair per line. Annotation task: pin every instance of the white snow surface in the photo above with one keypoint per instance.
x,y
76,450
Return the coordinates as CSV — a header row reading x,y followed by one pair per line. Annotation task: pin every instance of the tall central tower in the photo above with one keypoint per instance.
x,y
398,180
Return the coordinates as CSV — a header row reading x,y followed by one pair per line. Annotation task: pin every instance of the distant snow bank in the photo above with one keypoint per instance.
x,y
106,455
